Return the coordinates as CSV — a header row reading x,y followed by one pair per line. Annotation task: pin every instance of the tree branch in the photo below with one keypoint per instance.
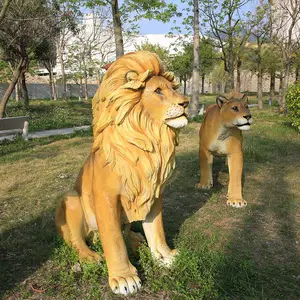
x,y
4,9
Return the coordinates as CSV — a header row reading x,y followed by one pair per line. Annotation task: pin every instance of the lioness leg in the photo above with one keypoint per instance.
x,y
123,277
206,162
134,238
70,224
235,164
154,231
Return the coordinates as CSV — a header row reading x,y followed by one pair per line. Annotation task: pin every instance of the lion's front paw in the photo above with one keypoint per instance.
x,y
125,284
204,186
238,203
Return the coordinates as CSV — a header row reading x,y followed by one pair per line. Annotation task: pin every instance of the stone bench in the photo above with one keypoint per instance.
x,y
14,125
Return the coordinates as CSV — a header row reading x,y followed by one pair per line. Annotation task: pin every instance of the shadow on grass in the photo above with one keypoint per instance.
x,y
259,256
181,198
262,258
24,249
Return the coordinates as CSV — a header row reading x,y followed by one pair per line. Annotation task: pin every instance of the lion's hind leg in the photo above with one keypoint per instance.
x,y
71,225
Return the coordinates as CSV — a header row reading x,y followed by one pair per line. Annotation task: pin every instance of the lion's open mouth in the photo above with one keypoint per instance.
x,y
245,124
175,117
177,122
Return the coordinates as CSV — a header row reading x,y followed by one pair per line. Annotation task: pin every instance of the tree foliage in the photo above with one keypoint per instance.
x,y
27,25
222,20
161,51
293,104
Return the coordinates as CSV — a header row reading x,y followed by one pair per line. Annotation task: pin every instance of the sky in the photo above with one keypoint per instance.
x,y
155,27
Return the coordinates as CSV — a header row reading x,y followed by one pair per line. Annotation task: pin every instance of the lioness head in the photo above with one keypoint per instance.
x,y
235,112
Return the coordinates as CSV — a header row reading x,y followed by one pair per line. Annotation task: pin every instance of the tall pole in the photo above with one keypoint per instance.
x,y
194,103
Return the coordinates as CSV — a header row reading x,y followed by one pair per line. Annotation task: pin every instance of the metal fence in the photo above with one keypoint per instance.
x,y
42,91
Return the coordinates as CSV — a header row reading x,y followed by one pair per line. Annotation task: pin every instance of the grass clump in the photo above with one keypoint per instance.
x,y
75,277
192,274
46,114
18,144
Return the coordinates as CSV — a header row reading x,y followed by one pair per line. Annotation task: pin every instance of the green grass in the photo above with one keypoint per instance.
x,y
46,114
225,253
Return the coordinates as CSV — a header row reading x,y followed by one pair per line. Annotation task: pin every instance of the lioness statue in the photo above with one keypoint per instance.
x,y
137,114
221,134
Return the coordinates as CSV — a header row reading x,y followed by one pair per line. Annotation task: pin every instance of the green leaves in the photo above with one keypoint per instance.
x,y
293,103
151,10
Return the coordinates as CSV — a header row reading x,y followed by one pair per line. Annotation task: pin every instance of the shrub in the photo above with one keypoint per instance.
x,y
293,104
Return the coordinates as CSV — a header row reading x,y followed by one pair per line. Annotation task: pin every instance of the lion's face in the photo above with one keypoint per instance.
x,y
163,103
235,112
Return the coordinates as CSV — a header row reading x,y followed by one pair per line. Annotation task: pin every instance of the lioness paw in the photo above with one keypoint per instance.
x,y
237,203
125,285
205,186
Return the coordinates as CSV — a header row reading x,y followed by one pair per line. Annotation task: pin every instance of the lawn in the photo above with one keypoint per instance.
x,y
225,253
46,114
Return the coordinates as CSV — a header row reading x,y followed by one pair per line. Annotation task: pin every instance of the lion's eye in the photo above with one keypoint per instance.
x,y
158,91
235,108
246,106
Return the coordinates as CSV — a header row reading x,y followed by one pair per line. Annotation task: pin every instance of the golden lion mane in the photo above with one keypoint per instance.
x,y
127,135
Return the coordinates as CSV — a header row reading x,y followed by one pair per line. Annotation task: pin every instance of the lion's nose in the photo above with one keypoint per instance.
x,y
184,103
248,117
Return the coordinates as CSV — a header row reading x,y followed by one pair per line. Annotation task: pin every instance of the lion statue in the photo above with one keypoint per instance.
x,y
221,134
137,114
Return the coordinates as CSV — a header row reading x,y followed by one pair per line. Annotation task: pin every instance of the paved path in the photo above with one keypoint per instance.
x,y
46,133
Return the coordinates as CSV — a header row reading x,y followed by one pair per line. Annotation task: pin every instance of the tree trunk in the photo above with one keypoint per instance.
x,y
5,5
117,28
24,88
230,84
9,90
63,74
272,87
202,82
81,89
194,104
231,80
52,82
184,87
285,85
238,75
86,92
297,71
219,87
18,91
259,88
280,89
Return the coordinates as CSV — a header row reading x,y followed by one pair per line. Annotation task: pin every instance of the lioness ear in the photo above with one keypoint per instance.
x,y
131,75
245,99
221,100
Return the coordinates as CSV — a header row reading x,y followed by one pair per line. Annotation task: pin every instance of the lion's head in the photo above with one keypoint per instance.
x,y
137,112
234,111
138,79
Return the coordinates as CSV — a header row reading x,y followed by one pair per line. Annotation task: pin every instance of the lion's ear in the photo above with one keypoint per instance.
x,y
132,81
169,76
245,99
221,100
131,75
